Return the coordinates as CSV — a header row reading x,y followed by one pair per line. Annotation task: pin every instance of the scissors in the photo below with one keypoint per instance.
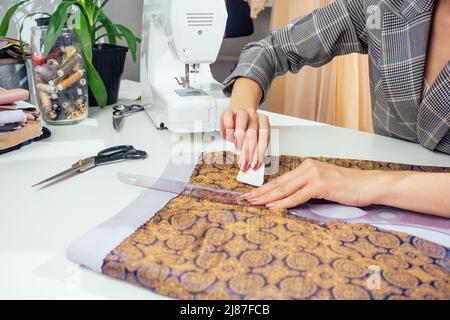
x,y
123,111
107,156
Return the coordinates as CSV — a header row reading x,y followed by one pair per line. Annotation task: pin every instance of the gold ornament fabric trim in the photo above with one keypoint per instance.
x,y
196,249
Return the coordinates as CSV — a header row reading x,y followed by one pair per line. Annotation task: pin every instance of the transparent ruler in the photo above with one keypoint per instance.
x,y
190,190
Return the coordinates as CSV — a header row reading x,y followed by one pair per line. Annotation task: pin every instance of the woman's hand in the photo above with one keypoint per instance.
x,y
318,180
250,132
243,126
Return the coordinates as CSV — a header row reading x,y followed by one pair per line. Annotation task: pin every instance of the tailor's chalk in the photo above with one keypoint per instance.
x,y
252,177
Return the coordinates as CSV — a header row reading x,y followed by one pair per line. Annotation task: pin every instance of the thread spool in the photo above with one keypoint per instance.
x,y
53,63
69,52
45,72
78,67
69,65
46,88
69,108
73,93
52,115
80,101
45,100
70,81
56,54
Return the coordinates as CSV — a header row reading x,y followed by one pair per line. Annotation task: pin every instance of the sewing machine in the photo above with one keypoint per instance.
x,y
180,40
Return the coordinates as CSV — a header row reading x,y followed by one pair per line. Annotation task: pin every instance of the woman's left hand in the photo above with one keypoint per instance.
x,y
317,180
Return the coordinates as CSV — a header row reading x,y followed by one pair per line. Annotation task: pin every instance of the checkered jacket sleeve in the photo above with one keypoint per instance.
x,y
313,40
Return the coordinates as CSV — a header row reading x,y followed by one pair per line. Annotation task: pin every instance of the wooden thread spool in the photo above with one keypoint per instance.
x,y
69,65
69,52
45,100
45,72
70,81
46,88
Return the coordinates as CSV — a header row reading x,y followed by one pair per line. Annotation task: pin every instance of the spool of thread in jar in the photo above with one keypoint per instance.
x,y
80,101
52,115
69,65
78,67
46,88
54,82
69,107
73,93
53,63
56,54
45,100
69,52
71,80
45,72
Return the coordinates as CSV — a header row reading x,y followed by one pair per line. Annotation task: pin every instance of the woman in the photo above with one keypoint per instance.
x,y
408,42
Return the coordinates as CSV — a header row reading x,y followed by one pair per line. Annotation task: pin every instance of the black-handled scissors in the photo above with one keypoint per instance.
x,y
107,156
122,111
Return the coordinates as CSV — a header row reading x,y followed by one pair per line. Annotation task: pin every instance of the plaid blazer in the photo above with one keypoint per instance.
x,y
394,33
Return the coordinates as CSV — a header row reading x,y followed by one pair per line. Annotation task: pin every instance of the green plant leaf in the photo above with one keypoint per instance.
x,y
84,37
131,40
94,80
99,9
96,84
4,26
109,27
107,35
57,21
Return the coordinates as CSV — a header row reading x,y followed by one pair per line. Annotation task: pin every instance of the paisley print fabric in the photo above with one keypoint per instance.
x,y
198,249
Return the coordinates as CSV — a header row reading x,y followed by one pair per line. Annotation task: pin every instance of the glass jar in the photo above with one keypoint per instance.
x,y
60,77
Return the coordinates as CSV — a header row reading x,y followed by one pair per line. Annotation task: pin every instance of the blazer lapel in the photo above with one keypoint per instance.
x,y
433,120
404,48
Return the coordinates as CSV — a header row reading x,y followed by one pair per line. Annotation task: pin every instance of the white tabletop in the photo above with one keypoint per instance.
x,y
37,226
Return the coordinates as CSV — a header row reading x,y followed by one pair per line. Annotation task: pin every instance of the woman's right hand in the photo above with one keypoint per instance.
x,y
250,132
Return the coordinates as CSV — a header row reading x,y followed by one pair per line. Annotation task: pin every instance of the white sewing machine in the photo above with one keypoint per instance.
x,y
181,38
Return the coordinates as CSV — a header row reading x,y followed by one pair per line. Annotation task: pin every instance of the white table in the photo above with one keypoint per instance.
x,y
36,227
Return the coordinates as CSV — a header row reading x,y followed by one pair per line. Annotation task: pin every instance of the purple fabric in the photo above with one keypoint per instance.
x,y
10,127
12,116
378,215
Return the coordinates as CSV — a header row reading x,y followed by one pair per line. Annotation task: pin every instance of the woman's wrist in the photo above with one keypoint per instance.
x,y
246,94
383,186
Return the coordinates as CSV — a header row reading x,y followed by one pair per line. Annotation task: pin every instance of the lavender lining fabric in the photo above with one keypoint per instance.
x,y
112,232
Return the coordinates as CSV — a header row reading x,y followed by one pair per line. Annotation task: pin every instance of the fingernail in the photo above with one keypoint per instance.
x,y
270,205
253,199
255,165
247,195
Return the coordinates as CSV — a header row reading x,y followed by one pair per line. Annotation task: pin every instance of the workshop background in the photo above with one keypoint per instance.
x,y
337,94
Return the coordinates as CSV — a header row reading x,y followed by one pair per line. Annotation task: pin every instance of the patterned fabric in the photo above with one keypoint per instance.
x,y
197,249
395,35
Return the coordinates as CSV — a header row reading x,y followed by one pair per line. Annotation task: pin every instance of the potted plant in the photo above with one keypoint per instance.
x,y
104,62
